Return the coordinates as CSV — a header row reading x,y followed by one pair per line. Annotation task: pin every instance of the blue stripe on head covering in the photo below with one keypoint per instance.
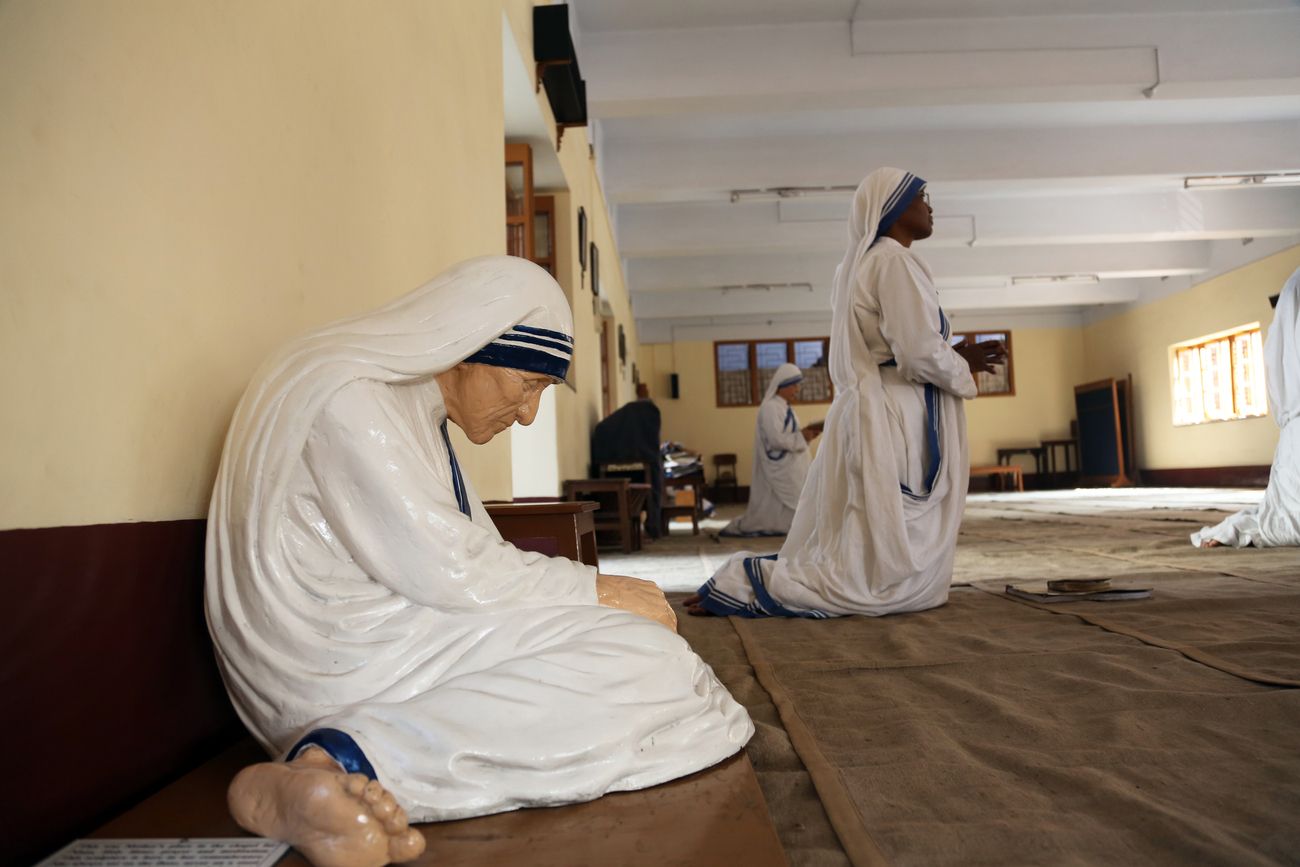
x,y
523,347
544,332
899,201
791,381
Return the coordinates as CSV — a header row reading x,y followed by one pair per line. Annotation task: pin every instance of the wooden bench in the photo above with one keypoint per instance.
x,y
717,816
1004,474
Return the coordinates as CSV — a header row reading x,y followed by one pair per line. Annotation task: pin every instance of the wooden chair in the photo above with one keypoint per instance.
x,y
633,471
724,476
616,514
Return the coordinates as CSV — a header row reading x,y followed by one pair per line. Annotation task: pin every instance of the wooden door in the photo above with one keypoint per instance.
x,y
544,232
519,200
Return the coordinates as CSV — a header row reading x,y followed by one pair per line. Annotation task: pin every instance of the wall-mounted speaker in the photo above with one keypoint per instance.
x,y
674,387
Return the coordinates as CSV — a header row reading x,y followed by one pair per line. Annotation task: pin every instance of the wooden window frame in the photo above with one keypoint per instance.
x,y
1011,367
1197,344
756,388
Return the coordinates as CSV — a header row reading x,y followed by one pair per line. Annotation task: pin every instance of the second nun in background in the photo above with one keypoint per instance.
x,y
781,460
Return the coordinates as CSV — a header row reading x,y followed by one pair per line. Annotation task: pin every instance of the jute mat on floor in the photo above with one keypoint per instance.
x,y
991,731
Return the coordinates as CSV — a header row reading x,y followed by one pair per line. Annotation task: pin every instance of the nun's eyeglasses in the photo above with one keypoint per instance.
x,y
925,197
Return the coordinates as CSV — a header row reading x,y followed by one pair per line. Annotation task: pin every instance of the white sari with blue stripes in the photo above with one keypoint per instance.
x,y
876,527
781,460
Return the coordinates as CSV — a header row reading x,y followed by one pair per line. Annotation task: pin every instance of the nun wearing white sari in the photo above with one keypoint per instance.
x,y
781,460
875,530
364,607
1275,522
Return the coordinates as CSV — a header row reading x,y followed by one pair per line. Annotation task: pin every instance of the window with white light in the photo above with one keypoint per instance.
x,y
1219,377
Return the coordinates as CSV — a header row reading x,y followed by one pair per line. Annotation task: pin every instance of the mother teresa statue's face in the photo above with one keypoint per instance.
x,y
483,400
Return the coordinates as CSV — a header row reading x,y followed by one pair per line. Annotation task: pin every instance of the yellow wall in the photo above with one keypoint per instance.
x,y
1041,408
579,408
1048,363
1138,342
186,184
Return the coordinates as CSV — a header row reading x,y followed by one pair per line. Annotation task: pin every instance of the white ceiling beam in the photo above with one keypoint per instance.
x,y
949,265
730,303
711,228
783,326
719,302
814,65
651,171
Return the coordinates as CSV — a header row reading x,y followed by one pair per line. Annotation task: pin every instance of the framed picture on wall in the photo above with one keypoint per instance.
x,y
594,257
582,239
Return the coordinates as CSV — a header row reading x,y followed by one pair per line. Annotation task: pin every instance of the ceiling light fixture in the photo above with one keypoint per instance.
x,y
1054,278
765,287
1262,179
772,193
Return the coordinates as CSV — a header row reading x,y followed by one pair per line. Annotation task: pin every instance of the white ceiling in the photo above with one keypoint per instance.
x,y
607,15
1054,134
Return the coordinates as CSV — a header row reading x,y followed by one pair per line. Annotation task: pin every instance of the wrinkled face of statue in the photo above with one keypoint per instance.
x,y
790,393
484,400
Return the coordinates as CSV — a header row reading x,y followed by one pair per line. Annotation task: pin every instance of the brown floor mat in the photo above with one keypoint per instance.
x,y
991,731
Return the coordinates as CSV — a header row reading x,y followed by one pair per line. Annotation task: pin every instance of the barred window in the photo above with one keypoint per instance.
x,y
1218,377
743,369
1002,380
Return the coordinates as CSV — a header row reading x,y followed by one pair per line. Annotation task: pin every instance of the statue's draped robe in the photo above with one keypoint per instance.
x,y
875,531
356,584
1275,522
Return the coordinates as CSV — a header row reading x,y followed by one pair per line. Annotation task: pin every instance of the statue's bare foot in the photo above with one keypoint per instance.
x,y
1210,543
334,818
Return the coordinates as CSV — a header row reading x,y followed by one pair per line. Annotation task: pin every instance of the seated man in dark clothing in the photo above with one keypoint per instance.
x,y
630,434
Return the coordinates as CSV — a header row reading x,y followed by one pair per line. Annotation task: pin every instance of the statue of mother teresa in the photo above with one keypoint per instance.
x,y
377,635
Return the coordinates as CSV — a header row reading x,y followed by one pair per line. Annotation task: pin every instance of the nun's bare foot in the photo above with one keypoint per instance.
x,y
1210,543
694,605
334,818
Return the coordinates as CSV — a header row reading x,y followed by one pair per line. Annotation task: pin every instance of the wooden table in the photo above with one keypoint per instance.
x,y
717,816
559,528
693,480
1070,449
1035,452
1002,473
